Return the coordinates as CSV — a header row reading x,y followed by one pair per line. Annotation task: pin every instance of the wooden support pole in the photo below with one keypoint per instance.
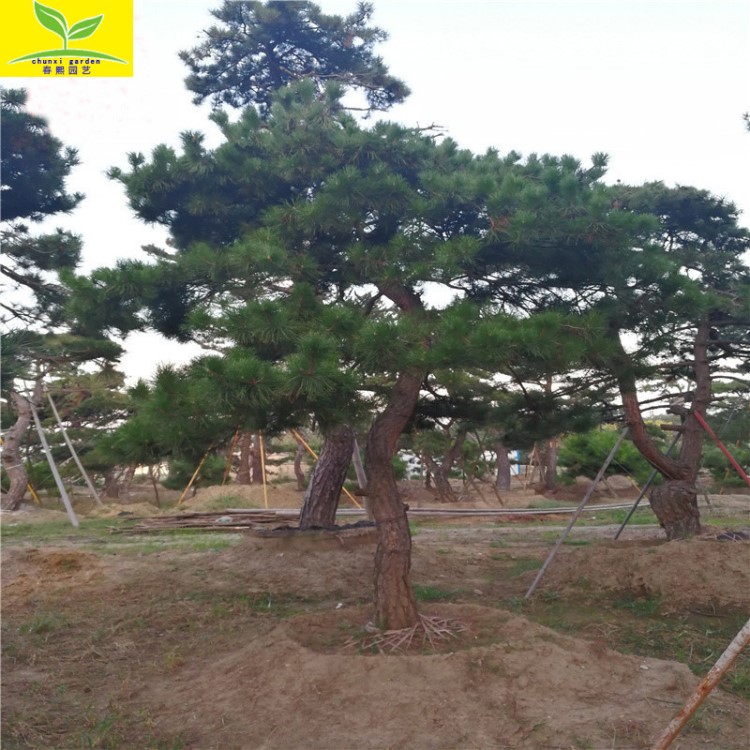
x,y
74,453
53,467
262,447
35,497
706,685
577,513
195,474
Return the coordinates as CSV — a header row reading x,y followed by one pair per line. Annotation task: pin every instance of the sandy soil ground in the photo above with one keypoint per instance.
x,y
241,642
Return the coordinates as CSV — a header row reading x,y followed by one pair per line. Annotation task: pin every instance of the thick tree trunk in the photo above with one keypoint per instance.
x,y
322,496
395,605
502,478
112,484
674,502
12,440
243,470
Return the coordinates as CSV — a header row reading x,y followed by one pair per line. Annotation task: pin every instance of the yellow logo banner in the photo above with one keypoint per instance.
x,y
66,38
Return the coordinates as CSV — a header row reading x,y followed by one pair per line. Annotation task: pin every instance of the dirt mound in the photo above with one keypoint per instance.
x,y
245,496
719,574
531,688
26,571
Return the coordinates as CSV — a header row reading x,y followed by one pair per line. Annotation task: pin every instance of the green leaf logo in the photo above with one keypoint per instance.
x,y
56,22
53,20
84,28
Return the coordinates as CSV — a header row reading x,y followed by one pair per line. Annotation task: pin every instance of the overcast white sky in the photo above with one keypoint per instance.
x,y
660,86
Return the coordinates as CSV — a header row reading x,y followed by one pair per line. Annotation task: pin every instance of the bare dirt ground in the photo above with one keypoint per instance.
x,y
215,641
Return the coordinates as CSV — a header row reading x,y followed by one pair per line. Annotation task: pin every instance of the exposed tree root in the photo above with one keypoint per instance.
x,y
429,630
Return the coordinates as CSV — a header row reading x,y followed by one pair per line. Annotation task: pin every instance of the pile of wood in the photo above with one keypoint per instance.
x,y
241,519
227,520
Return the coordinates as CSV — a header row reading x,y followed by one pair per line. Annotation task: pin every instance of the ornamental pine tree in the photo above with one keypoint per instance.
x,y
689,307
306,244
33,272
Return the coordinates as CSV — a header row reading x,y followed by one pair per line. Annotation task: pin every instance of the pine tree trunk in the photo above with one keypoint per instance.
x,y
550,465
256,464
12,440
112,484
322,496
395,605
298,473
445,493
502,478
675,504
243,470
127,481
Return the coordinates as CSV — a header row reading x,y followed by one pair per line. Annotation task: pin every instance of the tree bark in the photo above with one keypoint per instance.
x,y
674,502
12,441
322,497
256,463
550,465
395,605
298,473
502,478
112,484
243,470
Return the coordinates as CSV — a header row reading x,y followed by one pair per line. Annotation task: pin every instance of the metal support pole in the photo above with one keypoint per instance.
x,y
73,452
643,491
577,513
53,467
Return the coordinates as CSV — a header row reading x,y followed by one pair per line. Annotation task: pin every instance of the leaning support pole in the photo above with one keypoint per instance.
x,y
262,447
73,452
53,467
195,474
706,685
577,513
722,448
644,489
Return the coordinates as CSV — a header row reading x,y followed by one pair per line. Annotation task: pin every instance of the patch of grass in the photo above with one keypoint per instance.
x,y
647,606
46,531
435,594
102,731
189,540
227,604
524,564
43,623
